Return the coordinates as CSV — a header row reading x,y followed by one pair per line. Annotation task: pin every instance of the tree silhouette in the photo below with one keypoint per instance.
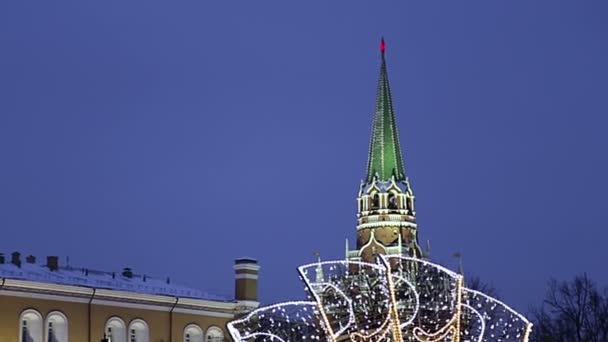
x,y
573,311
475,283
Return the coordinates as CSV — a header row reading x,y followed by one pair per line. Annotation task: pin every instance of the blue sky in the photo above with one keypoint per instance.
x,y
174,137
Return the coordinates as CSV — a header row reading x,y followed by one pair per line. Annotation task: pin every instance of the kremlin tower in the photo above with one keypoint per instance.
x,y
386,216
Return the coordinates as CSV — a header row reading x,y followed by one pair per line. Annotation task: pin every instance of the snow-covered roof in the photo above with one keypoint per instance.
x,y
102,280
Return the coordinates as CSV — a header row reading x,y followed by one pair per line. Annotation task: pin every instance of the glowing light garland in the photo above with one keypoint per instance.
x,y
399,299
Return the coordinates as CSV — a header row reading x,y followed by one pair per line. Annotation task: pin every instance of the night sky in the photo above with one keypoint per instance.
x,y
175,136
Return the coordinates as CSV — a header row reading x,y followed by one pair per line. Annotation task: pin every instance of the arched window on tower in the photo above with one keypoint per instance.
x,y
56,327
193,333
30,326
409,204
375,201
116,330
138,331
214,334
393,200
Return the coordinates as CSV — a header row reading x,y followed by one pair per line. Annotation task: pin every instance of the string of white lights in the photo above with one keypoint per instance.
x,y
399,299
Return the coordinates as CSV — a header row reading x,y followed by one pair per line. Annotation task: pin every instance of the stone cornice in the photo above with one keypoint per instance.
x,y
111,297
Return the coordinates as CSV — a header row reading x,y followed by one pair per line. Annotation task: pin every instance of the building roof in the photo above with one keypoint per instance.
x,y
102,280
385,159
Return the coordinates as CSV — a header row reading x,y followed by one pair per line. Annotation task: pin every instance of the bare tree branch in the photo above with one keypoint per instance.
x,y
574,311
475,283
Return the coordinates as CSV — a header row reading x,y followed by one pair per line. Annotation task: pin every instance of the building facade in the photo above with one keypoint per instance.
x,y
53,303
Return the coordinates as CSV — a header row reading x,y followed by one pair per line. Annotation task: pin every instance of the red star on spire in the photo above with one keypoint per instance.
x,y
382,45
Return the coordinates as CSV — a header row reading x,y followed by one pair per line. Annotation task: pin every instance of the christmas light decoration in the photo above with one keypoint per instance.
x,y
398,299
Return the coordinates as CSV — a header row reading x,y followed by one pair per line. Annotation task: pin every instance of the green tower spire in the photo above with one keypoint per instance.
x,y
385,158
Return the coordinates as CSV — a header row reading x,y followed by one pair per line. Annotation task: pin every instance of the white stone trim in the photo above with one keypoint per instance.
x,y
249,267
10,293
386,223
246,306
118,295
68,293
204,313
248,303
391,217
130,305
246,276
32,285
207,303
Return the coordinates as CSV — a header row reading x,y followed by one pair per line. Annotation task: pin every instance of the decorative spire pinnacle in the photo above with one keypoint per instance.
x,y
385,160
319,270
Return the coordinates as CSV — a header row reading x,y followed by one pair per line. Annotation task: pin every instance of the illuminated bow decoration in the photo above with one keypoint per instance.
x,y
398,299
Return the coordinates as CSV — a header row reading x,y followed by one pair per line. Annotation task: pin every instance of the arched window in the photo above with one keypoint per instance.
x,y
393,200
193,333
138,331
214,334
116,330
375,201
30,326
56,327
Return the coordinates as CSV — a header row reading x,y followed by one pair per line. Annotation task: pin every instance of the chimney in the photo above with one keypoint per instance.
x,y
15,259
52,262
30,259
127,273
246,285
2,260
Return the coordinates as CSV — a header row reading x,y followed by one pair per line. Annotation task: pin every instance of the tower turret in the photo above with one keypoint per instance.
x,y
385,205
246,285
